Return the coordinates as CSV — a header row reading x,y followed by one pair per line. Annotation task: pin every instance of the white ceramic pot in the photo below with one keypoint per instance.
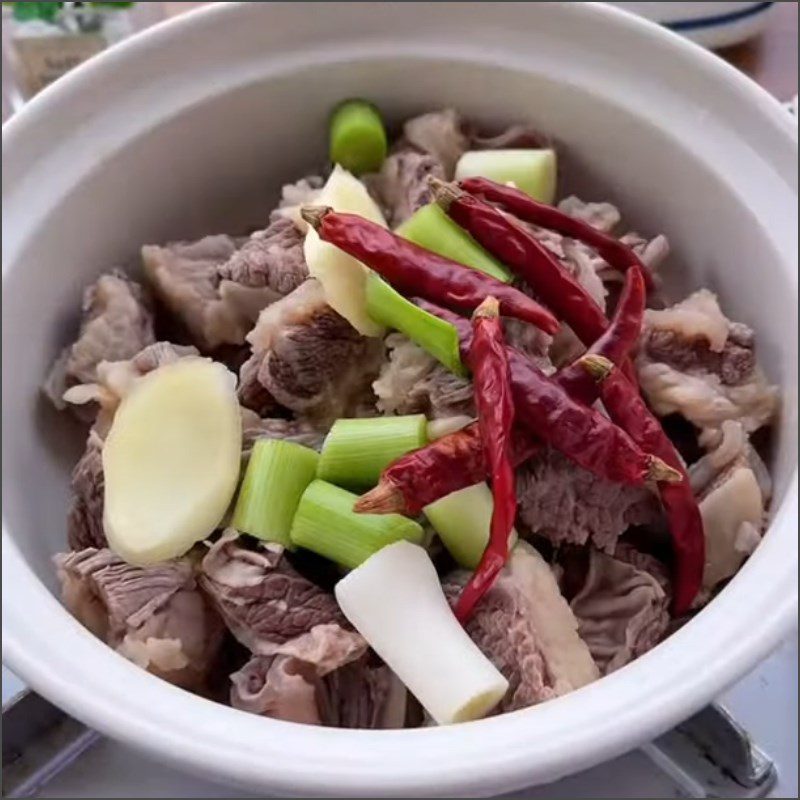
x,y
192,127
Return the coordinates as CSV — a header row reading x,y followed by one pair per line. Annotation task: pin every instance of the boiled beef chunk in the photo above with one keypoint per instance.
x,y
271,259
695,362
154,616
264,601
308,358
185,277
526,628
117,322
570,505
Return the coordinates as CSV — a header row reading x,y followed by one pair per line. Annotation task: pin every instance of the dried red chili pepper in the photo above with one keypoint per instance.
x,y
413,270
516,247
615,344
490,374
581,433
442,467
618,255
457,461
627,408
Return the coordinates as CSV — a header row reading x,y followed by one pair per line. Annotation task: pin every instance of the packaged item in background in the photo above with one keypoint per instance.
x,y
43,41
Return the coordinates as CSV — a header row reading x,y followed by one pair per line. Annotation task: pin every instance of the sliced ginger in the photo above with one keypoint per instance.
x,y
171,460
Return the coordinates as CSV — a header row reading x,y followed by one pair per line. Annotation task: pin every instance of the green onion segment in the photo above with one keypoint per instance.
x,y
357,137
356,451
437,337
431,228
326,524
276,477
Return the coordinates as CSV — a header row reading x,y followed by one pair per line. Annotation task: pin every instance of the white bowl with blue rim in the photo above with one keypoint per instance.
x,y
709,24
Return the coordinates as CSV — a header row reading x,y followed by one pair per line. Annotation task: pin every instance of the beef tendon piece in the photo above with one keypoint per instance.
x,y
354,695
570,505
733,488
154,616
309,359
602,216
695,362
527,630
117,322
622,607
411,382
322,678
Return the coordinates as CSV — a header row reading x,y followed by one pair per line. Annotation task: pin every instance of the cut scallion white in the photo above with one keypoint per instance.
x,y
387,307
277,475
462,519
326,524
444,426
356,451
431,228
532,171
395,601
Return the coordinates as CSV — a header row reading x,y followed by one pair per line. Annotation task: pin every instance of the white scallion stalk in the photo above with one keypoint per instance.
x,y
532,171
463,519
444,426
277,475
395,601
356,451
326,524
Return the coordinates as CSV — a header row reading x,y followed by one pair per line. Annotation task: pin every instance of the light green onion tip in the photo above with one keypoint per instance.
x,y
356,451
357,137
534,172
431,228
435,336
326,524
276,477
463,519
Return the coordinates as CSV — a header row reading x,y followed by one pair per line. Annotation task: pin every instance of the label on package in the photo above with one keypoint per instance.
x,y
45,58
